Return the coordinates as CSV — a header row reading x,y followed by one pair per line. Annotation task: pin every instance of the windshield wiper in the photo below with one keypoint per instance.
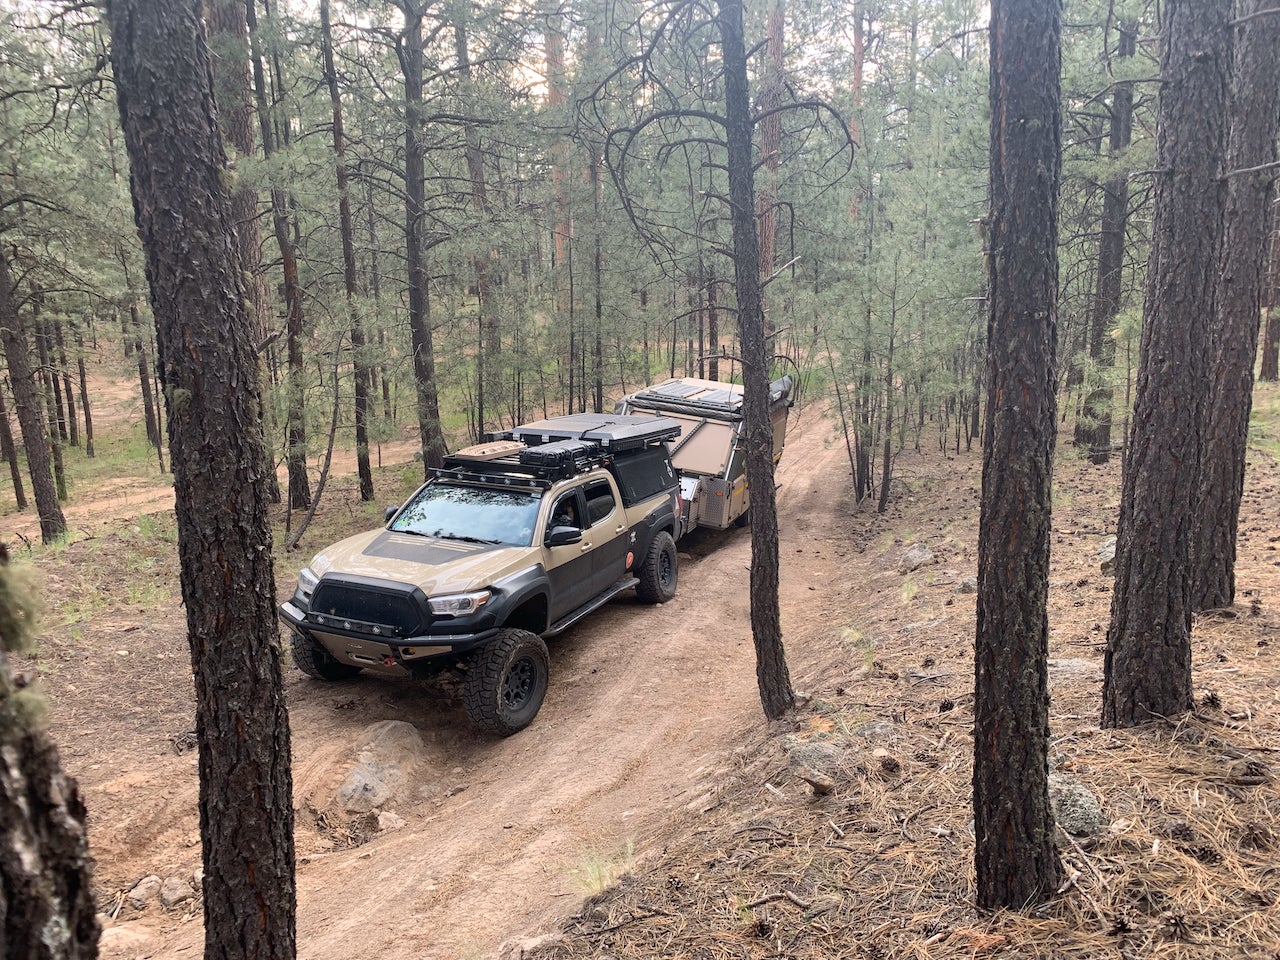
x,y
465,538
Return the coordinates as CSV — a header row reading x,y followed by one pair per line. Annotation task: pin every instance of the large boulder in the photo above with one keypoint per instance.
x,y
386,754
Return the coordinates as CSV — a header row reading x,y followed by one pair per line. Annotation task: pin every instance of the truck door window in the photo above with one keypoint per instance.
x,y
600,501
565,511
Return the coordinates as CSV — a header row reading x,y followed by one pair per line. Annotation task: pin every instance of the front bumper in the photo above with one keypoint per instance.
x,y
346,643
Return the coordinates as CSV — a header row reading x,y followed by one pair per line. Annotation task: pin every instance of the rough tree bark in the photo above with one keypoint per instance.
x,y
1093,429
1242,259
55,419
1014,854
424,363
772,675
1147,668
52,382
204,334
233,91
9,449
489,347
47,909
770,136
26,401
73,424
84,392
360,363
299,497
1271,321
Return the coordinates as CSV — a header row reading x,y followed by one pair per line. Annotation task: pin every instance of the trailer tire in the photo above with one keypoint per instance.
x,y
660,571
743,519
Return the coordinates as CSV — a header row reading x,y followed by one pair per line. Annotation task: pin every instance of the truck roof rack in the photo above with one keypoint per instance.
x,y
614,433
538,454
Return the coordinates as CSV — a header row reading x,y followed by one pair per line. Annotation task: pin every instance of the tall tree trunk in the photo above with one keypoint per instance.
x,y
424,363
713,330
295,398
1014,855
562,224
204,335
488,358
770,136
375,291
360,362
859,63
144,379
233,91
73,424
1147,668
1242,260
595,161
49,373
26,401
84,392
47,909
772,675
10,451
1271,322
1093,429
57,428
887,465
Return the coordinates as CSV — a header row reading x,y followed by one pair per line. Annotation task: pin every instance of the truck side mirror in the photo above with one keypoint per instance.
x,y
389,513
563,536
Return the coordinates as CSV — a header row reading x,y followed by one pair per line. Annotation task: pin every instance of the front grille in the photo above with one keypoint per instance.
x,y
338,604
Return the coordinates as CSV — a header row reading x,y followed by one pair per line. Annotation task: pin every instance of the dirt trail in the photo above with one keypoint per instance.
x,y
501,837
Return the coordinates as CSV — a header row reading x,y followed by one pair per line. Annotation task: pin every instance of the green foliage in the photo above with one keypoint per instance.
x,y
882,267
19,607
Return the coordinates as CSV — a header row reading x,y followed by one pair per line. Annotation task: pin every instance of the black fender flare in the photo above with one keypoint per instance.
x,y
515,591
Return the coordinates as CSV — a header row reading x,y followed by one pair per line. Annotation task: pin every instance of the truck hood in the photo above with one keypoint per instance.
x,y
435,565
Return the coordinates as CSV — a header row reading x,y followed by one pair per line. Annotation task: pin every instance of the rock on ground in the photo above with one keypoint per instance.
x,y
385,756
914,557
174,891
1106,554
1075,808
816,762
144,891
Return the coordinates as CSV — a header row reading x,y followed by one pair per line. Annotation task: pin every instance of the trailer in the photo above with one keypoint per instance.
x,y
710,454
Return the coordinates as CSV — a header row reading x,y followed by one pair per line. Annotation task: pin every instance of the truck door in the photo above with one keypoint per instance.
x,y
570,568
607,528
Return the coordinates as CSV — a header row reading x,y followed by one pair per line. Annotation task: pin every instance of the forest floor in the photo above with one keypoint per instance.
x,y
650,811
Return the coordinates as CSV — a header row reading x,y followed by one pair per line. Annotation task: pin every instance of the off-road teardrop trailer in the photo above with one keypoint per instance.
x,y
710,453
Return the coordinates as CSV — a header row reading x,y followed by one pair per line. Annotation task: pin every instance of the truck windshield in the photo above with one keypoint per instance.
x,y
465,512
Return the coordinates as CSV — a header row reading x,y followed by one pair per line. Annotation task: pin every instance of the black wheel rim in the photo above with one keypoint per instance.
x,y
666,569
519,682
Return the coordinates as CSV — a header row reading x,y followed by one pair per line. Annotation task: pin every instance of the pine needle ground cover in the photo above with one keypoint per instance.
x,y
762,864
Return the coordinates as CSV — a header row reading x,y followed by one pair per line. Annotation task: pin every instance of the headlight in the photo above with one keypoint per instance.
x,y
306,583
458,604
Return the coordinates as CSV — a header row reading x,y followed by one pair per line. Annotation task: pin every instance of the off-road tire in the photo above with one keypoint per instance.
x,y
743,519
315,662
661,569
506,682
